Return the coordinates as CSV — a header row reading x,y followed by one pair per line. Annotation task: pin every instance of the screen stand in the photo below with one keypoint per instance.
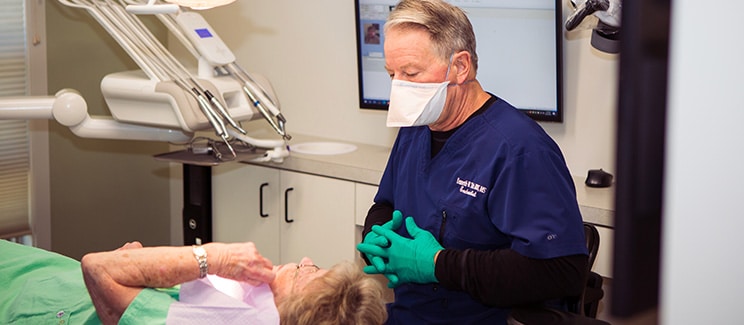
x,y
197,191
197,204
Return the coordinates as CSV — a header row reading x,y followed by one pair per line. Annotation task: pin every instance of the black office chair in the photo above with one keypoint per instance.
x,y
581,309
588,303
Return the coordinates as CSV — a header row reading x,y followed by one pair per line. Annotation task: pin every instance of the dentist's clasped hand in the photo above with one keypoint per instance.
x,y
377,264
405,260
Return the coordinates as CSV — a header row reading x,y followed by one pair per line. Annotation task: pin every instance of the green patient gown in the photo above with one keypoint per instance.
x,y
42,287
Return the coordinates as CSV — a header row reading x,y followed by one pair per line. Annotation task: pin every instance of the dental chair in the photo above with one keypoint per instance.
x,y
582,309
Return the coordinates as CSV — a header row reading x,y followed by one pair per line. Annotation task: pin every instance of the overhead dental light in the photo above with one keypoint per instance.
x,y
201,4
606,32
153,8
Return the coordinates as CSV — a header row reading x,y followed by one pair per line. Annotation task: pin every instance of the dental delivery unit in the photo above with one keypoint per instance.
x,y
164,101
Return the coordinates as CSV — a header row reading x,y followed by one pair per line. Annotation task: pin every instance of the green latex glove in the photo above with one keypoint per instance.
x,y
372,238
393,280
412,260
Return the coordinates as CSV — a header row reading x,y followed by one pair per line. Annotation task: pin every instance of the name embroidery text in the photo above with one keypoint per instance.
x,y
470,188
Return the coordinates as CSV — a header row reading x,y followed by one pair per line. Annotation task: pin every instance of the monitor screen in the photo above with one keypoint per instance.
x,y
518,46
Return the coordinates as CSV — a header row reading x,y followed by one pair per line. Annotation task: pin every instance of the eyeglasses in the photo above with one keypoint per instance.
x,y
303,269
306,268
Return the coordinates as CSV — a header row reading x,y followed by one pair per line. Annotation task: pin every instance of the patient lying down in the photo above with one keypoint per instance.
x,y
155,285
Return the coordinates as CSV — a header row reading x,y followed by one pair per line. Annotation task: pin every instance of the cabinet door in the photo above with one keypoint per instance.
x,y
321,211
365,197
241,194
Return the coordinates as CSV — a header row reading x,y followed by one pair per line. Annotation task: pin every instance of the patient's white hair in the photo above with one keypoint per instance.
x,y
344,295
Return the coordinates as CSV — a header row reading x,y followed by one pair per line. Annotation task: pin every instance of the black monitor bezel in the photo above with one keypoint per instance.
x,y
537,115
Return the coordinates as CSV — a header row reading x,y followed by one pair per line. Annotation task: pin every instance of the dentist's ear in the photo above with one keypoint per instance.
x,y
463,66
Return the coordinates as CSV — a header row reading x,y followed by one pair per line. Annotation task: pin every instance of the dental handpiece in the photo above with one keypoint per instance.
x,y
217,124
257,103
223,111
254,90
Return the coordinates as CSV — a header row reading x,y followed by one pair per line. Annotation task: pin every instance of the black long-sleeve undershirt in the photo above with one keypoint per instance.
x,y
502,277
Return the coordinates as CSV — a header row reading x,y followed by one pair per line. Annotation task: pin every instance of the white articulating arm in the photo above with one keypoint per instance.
x,y
68,108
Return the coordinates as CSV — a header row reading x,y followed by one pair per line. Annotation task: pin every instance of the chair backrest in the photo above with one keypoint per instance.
x,y
577,304
592,242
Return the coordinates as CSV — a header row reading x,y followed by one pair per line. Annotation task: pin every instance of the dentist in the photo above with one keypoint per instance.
x,y
492,219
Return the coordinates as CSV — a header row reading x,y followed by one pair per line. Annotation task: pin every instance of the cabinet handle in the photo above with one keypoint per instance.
x,y
260,200
286,205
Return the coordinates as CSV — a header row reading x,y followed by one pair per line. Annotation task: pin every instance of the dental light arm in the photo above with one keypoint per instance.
x,y
68,108
606,33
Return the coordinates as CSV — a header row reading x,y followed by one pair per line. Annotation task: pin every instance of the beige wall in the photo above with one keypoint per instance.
x,y
107,192
103,192
307,50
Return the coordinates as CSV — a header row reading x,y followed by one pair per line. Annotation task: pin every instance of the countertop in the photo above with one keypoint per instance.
x,y
363,165
366,164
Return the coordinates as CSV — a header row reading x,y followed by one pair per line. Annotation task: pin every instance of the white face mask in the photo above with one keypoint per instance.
x,y
415,104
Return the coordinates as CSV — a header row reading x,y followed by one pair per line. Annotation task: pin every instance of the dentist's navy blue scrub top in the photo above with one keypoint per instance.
x,y
498,182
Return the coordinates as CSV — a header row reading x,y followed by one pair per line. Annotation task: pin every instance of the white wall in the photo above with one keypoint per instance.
x,y
307,50
702,223
101,191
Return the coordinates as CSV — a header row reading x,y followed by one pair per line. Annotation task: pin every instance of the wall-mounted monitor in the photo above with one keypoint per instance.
x,y
518,44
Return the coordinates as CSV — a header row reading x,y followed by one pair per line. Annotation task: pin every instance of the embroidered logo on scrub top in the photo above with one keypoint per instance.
x,y
470,188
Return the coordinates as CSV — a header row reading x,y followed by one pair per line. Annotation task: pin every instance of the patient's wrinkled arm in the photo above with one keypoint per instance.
x,y
115,278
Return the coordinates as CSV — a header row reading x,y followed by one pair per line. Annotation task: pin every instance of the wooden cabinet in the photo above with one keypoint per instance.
x,y
288,215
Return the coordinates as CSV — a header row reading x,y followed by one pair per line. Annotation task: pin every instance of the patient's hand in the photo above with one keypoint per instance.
x,y
240,262
130,245
115,278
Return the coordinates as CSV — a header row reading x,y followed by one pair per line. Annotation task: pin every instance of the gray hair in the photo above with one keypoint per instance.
x,y
343,296
448,26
